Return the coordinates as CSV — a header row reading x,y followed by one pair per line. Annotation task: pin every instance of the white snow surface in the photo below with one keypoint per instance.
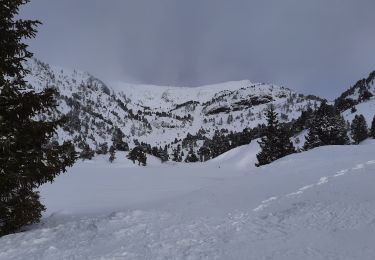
x,y
318,204
367,109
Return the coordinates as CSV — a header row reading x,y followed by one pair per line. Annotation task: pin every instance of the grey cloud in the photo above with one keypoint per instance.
x,y
318,47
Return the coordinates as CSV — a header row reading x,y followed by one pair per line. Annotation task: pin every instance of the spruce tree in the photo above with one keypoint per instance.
x,y
163,154
28,157
133,153
87,153
359,129
276,140
112,154
102,148
142,158
327,128
117,139
365,95
177,154
204,153
191,157
372,131
137,154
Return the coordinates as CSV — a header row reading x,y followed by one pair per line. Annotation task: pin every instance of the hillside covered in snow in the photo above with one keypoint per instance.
x,y
160,116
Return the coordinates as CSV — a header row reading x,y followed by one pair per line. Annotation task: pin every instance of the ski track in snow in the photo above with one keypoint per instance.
x,y
323,180
358,167
370,162
265,203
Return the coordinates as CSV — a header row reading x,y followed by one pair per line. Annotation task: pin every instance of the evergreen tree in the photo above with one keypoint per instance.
x,y
372,131
285,146
328,128
304,121
163,154
359,129
87,153
177,154
191,157
112,154
230,119
137,154
276,141
102,148
155,151
28,157
142,159
117,140
365,95
204,153
219,144
133,153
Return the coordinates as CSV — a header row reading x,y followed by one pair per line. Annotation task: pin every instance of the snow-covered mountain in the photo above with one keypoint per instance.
x,y
359,99
360,92
160,115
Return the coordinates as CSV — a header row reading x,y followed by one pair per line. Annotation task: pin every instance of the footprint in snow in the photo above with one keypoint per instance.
x,y
358,167
322,180
265,203
306,187
269,200
294,193
260,207
340,173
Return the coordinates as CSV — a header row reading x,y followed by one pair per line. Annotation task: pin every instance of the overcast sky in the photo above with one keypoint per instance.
x,y
312,46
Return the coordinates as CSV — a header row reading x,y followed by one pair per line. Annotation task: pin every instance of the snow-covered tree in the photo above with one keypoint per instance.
x,y
359,129
276,141
328,128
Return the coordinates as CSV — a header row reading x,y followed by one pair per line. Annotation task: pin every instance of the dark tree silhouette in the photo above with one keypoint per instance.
x,y
359,129
276,141
372,130
28,157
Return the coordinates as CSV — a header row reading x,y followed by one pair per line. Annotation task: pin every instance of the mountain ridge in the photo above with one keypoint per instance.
x,y
164,117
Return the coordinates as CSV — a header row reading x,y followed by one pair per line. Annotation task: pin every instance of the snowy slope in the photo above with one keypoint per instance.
x,y
359,87
243,157
367,109
318,204
359,99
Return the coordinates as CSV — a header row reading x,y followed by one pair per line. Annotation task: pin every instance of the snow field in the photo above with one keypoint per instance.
x,y
208,210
